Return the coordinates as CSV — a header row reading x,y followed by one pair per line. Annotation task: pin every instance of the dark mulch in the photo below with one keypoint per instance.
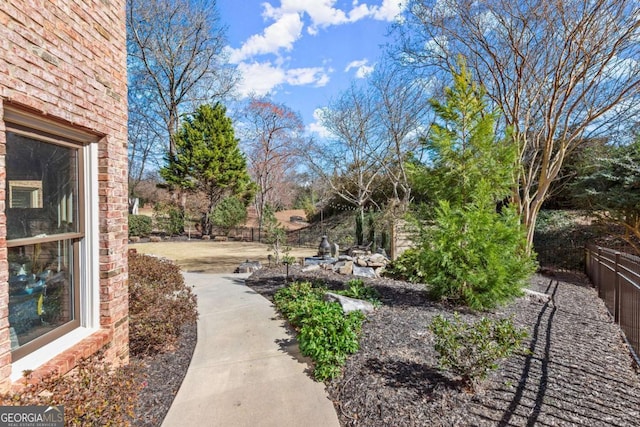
x,y
579,371
163,375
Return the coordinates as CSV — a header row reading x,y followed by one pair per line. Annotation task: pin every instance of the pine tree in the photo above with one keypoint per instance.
x,y
470,253
208,159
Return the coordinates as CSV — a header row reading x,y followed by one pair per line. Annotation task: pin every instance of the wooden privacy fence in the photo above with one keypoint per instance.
x,y
616,275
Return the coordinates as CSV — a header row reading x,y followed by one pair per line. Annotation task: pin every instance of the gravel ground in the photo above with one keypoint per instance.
x,y
578,372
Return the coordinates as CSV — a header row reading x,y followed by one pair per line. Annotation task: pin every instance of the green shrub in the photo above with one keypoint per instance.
x,y
169,219
470,350
475,257
92,394
326,334
139,225
355,288
229,213
404,267
297,301
159,304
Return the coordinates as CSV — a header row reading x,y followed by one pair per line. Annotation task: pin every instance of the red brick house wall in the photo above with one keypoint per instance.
x,y
65,60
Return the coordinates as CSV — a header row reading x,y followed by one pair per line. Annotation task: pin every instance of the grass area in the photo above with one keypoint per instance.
x,y
198,256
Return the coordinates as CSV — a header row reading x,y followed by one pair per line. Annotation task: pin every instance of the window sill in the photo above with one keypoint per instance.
x,y
66,351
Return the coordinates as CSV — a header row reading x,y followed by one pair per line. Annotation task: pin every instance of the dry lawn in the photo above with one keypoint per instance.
x,y
198,256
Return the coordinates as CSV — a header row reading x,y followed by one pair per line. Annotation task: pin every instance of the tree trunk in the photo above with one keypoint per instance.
x,y
360,227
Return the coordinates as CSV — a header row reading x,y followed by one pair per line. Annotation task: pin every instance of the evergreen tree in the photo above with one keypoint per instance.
x,y
464,152
229,213
469,252
610,189
208,160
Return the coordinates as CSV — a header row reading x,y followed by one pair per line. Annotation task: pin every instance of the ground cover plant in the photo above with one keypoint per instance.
x,y
325,333
93,394
355,288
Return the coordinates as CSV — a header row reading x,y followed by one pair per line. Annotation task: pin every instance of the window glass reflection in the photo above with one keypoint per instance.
x,y
40,289
42,187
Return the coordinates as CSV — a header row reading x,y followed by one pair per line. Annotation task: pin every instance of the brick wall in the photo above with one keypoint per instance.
x,y
66,60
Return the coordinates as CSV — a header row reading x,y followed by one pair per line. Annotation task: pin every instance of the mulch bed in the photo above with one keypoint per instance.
x,y
163,375
579,370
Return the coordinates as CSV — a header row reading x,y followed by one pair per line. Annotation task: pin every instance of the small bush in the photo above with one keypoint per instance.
x,y
326,334
139,225
355,288
93,394
159,304
297,301
169,219
229,213
404,267
471,350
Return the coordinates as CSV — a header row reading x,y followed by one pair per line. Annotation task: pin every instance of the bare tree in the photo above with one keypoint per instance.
x,y
349,162
560,71
176,56
144,146
401,113
271,133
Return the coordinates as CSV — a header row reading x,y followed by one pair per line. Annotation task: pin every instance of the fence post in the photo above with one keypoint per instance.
x,y
587,262
616,292
599,272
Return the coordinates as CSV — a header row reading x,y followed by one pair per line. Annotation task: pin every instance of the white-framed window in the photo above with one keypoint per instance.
x,y
51,226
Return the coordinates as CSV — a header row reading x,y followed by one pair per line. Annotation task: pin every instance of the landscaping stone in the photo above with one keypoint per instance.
x,y
364,271
345,268
248,267
350,304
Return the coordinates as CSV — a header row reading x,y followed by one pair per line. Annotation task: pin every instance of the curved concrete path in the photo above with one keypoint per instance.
x,y
245,369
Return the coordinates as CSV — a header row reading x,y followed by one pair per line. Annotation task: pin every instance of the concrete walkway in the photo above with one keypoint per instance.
x,y
245,369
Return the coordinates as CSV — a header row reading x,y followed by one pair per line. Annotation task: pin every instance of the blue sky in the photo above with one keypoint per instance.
x,y
304,52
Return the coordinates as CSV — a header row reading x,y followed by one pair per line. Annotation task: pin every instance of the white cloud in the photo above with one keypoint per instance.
x,y
305,76
282,34
261,78
316,127
323,13
388,10
437,45
359,12
362,68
